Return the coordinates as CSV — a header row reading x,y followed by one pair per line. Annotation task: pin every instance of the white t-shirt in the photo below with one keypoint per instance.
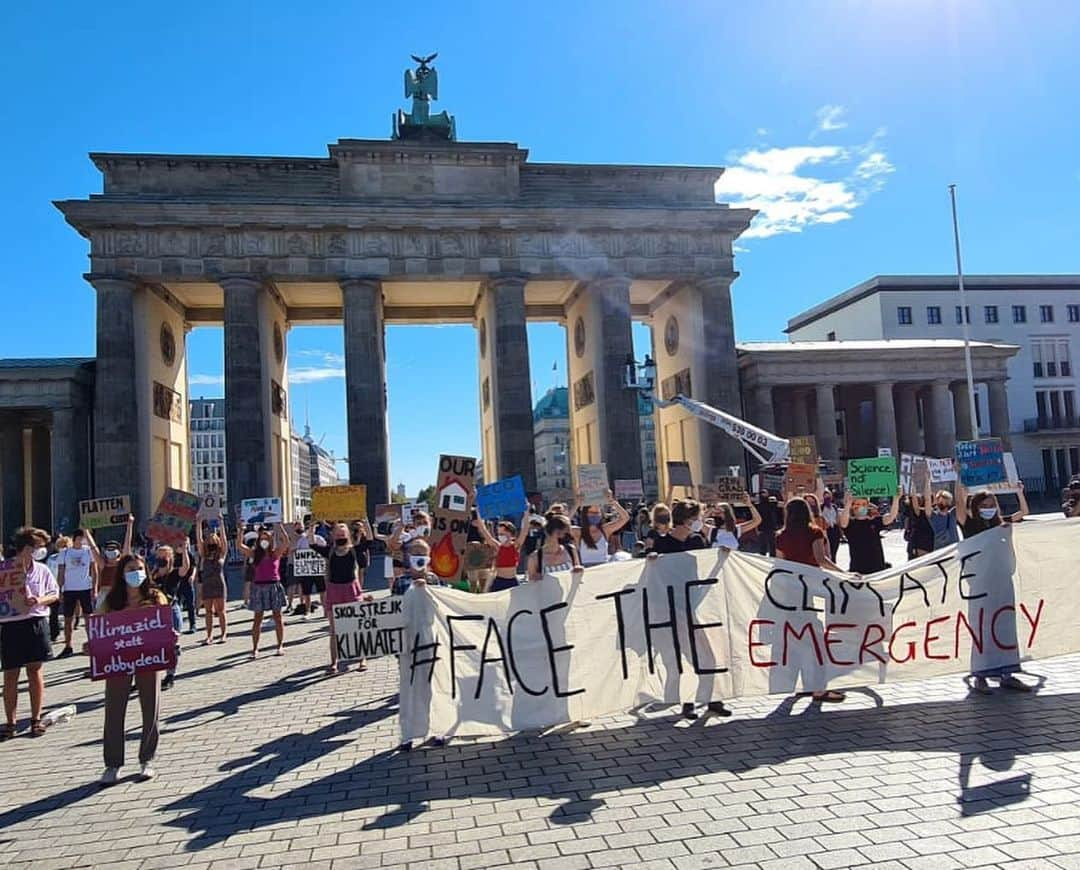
x,y
724,538
76,565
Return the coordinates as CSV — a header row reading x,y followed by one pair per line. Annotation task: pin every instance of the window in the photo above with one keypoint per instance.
x,y
960,318
990,314
831,336
1046,313
1073,313
903,315
1037,358
933,314
1019,314
1050,358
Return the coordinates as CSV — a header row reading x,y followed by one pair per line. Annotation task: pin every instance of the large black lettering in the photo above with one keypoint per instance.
x,y
966,576
905,578
846,585
806,605
552,650
669,623
513,660
768,589
465,647
493,629
621,623
694,627
416,662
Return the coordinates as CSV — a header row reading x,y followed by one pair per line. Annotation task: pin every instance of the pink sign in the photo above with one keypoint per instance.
x,y
12,591
131,641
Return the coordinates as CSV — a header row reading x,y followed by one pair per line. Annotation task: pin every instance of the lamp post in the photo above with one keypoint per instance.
x,y
974,433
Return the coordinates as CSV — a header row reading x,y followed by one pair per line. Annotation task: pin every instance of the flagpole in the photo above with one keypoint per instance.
x,y
974,433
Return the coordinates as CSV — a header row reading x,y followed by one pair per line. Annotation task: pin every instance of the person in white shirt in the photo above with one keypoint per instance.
x,y
728,529
78,578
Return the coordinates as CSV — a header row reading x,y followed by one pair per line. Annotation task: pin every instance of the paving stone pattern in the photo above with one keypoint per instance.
x,y
272,763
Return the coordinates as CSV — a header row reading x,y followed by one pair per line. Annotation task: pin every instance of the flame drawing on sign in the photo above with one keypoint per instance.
x,y
445,560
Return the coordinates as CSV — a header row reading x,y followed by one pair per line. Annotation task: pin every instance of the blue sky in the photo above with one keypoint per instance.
x,y
842,121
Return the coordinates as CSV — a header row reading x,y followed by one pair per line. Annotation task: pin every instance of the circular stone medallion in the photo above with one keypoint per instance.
x,y
671,336
168,345
579,337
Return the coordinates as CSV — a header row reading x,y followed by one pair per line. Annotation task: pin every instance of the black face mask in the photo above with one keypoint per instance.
x,y
341,542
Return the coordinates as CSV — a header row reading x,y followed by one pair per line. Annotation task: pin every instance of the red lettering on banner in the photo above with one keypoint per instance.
x,y
976,639
797,635
829,640
1034,623
751,643
929,638
911,644
993,626
867,643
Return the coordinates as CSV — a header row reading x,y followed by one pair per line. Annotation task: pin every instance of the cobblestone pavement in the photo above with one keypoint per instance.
x,y
272,763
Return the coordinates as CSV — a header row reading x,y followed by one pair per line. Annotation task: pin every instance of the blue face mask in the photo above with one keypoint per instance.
x,y
134,579
595,520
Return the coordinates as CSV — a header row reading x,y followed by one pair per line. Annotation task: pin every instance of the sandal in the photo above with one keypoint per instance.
x,y
362,666
37,727
8,731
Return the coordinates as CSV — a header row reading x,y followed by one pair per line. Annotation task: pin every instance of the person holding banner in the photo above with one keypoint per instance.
x,y
729,531
346,561
78,567
507,552
557,553
24,637
131,588
685,531
659,526
308,540
212,587
863,527
592,536
265,592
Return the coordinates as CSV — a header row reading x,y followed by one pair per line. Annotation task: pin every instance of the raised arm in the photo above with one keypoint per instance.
x,y
1023,512
129,533
94,550
185,559
894,509
485,532
755,517
281,541
844,516
244,549
928,498
622,517
961,503
523,532
199,546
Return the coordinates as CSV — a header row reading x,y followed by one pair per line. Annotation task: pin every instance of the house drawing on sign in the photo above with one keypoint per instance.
x,y
454,497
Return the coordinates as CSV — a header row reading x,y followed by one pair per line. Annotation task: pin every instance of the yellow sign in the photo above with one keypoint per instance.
x,y
339,503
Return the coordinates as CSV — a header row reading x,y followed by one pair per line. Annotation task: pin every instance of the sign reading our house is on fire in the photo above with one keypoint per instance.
x,y
454,493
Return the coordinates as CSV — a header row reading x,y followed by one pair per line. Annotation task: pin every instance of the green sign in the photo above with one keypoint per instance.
x,y
872,478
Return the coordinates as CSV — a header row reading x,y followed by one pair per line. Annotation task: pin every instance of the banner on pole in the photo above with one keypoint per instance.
x,y
339,503
174,519
131,641
99,513
369,629
710,625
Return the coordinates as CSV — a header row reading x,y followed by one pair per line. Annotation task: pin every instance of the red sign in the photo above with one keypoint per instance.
x,y
12,591
131,641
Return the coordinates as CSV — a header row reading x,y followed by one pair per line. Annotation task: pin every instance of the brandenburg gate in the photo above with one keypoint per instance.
x,y
417,229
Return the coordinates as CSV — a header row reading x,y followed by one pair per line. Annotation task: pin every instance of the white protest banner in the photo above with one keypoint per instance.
x,y
265,511
368,629
308,563
710,625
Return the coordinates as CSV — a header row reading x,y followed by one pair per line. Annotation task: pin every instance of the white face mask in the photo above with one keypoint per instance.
x,y
112,554
421,531
418,563
696,526
988,513
265,544
40,554
504,539
135,578
78,545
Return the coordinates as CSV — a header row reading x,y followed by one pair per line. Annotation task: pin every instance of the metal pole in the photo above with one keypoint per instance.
x,y
974,434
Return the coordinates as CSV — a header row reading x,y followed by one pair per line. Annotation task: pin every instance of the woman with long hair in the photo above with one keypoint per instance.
x,y
728,529
592,536
347,558
167,576
212,587
558,552
131,587
265,592
507,546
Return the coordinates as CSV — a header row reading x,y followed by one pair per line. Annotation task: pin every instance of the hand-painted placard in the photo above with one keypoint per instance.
x,y
174,518
99,513
339,503
800,478
629,489
731,490
803,449
772,481
261,511
210,506
941,470
873,477
1011,483
369,629
678,474
454,493
12,591
592,483
981,462
503,498
308,563
884,451
131,641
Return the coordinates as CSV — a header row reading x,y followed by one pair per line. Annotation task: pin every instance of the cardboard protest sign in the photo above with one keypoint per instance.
x,y
503,498
99,513
174,519
385,517
884,451
771,480
920,477
800,477
369,629
872,477
981,462
210,506
1011,483
731,489
941,470
803,450
629,489
12,591
751,627
264,511
454,491
678,474
131,641
339,503
308,563
708,493
592,483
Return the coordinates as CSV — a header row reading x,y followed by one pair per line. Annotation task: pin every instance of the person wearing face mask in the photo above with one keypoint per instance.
x,y
728,530
534,538
166,576
660,526
507,547
131,588
592,537
557,553
213,589
863,528
52,562
265,592
111,554
24,639
831,516
347,558
685,531
78,579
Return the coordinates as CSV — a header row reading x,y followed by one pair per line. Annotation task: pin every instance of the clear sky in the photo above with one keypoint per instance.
x,y
842,121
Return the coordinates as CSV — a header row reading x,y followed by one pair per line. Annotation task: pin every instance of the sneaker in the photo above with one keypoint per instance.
x,y
1017,685
405,746
67,653
147,772
110,776
717,708
167,683
440,741
688,711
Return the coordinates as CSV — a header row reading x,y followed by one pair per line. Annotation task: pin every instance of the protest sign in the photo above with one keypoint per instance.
x,y
454,491
731,489
369,629
503,498
771,480
209,506
131,641
884,451
592,483
981,462
941,470
708,493
339,503
174,518
629,489
1011,483
12,591
264,511
800,478
803,450
385,517
911,464
872,477
920,477
678,474
709,625
99,513
308,563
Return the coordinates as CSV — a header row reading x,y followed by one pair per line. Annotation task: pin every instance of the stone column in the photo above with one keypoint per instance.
x,y
885,416
11,479
907,417
365,388
962,410
941,437
64,452
998,400
800,414
721,369
506,400
247,404
827,443
763,408
117,451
